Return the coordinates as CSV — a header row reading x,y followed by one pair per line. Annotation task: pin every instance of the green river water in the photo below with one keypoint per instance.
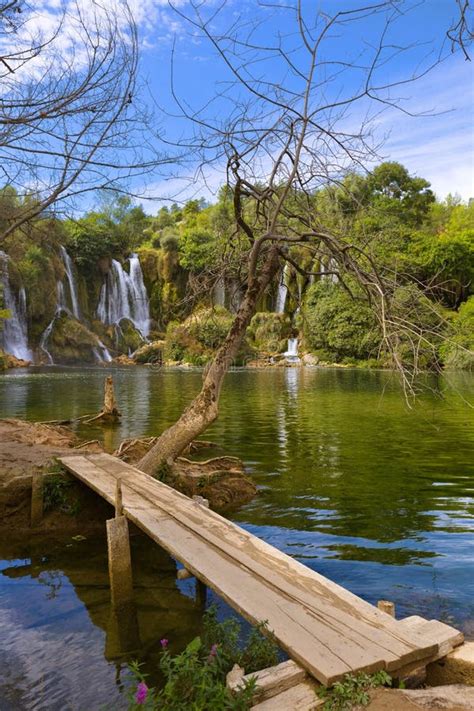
x,y
375,496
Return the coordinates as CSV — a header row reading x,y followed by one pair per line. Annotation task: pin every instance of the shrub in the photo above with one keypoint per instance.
x,y
458,350
270,331
337,326
196,678
195,340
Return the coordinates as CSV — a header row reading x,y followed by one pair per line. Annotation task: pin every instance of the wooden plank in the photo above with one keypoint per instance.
x,y
446,637
363,639
273,680
301,697
237,567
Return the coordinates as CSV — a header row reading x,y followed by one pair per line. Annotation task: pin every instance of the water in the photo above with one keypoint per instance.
x,y
69,267
14,335
292,350
282,292
377,497
124,296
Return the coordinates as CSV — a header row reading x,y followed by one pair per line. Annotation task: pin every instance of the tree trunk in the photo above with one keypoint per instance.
x,y
204,409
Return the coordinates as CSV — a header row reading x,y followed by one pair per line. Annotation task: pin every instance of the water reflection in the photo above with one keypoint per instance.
x,y
63,646
376,496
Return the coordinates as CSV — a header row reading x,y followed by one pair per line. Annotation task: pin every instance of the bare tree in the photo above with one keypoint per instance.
x,y
68,117
294,117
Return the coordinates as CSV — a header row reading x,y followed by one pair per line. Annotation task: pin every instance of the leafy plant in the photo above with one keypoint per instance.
x,y
352,691
196,678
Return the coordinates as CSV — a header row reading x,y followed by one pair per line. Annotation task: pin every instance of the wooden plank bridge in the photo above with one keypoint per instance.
x,y
323,627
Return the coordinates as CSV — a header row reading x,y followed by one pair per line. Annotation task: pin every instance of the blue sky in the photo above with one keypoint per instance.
x,y
437,145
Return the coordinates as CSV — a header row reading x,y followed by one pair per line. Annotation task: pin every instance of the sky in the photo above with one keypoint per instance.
x,y
426,124
437,143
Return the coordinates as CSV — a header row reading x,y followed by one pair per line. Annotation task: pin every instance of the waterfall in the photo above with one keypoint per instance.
x,y
219,292
124,296
61,305
331,267
292,350
14,335
68,266
282,291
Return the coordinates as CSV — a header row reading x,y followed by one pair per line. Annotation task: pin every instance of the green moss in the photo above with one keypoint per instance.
x,y
269,332
71,342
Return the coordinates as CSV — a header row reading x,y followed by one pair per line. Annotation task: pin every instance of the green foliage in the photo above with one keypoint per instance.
x,y
338,327
458,350
352,691
269,331
196,678
57,491
195,340
197,249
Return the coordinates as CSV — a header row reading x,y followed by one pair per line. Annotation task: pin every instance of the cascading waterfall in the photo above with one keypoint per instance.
x,y
14,335
124,296
68,266
282,291
219,292
292,350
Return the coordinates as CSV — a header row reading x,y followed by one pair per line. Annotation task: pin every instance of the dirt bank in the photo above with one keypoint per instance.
x,y
30,449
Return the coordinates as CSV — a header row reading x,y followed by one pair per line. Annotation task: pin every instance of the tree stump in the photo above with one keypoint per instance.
x,y
110,411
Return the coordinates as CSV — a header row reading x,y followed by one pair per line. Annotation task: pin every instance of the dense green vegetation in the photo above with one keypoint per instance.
x,y
425,247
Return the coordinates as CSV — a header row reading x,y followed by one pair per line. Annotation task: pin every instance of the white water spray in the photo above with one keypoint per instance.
x,y
124,296
14,335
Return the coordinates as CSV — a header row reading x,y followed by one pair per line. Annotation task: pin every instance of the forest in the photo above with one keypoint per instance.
x,y
194,277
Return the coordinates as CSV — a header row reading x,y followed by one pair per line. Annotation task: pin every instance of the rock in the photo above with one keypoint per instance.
x,y
454,696
310,359
12,361
234,677
124,360
451,698
456,668
151,353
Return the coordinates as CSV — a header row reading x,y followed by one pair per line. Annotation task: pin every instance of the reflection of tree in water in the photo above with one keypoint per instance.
x,y
356,461
53,579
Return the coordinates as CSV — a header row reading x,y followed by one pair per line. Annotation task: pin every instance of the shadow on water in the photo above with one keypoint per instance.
x,y
375,496
62,645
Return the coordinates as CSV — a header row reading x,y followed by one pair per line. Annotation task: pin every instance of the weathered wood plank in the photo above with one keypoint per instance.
x,y
446,637
271,681
377,635
301,697
322,626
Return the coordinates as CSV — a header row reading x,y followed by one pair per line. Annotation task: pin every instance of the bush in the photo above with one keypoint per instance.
x,y
195,340
196,678
338,327
458,350
269,331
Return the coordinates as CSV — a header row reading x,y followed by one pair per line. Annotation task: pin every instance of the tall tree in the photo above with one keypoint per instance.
x,y
294,116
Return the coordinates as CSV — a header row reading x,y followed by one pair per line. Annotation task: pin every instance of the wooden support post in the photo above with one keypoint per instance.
x,y
201,594
120,562
387,606
118,498
37,503
122,632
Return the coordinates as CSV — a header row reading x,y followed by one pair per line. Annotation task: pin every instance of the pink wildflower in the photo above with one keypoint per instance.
x,y
142,693
212,653
164,643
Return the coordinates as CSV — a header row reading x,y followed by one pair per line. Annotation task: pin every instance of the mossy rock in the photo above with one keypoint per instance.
x,y
128,338
151,353
269,332
71,342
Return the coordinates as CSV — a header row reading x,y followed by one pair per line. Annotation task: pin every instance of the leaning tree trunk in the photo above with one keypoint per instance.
x,y
204,409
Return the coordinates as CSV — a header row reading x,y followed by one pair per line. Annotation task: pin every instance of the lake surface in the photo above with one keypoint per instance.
x,y
375,496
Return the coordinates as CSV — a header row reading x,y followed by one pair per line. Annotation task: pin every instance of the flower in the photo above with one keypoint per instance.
x,y
212,653
164,643
142,693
